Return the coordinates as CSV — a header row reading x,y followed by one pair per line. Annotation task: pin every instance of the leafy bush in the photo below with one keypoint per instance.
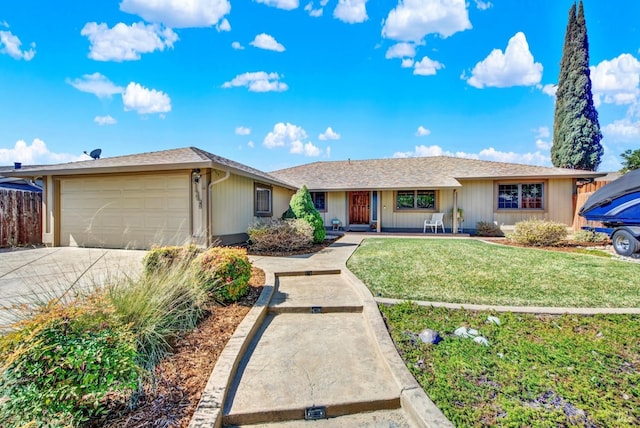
x,y
65,364
165,257
539,233
224,273
590,236
281,235
302,207
158,307
484,228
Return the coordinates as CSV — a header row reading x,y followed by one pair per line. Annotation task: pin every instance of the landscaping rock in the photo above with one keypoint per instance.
x,y
481,340
493,320
430,336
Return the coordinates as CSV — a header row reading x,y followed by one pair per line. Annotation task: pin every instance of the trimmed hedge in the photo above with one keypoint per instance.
x,y
224,272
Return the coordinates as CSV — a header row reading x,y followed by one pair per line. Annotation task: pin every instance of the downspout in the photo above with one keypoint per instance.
x,y
454,212
210,204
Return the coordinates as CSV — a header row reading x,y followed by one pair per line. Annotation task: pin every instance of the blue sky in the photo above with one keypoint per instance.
x,y
277,83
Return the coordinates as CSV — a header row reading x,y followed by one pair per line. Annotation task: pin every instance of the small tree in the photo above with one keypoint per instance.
x,y
631,160
301,206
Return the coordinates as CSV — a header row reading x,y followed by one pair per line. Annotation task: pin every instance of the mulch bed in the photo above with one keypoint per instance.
x,y
181,378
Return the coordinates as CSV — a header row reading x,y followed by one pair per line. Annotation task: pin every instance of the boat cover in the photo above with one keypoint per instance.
x,y
628,183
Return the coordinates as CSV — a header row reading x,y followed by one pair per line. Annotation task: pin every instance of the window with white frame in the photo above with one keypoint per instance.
x,y
516,196
416,200
263,200
319,200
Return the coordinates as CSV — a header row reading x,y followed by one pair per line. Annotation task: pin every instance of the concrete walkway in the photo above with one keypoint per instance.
x,y
314,346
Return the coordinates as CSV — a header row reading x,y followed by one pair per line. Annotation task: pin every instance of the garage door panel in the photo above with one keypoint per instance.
x,y
125,212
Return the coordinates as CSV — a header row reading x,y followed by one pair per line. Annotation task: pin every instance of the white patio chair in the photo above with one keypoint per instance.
x,y
434,222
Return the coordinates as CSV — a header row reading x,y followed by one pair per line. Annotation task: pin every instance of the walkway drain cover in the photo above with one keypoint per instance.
x,y
316,309
317,412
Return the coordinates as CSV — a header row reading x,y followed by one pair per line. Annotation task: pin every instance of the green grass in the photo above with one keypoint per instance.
x,y
542,371
471,271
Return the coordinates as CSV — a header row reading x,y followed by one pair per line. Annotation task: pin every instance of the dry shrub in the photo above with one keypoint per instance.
x,y
590,237
281,235
539,233
484,228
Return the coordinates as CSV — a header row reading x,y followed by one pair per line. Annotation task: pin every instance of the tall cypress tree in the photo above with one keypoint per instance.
x,y
576,131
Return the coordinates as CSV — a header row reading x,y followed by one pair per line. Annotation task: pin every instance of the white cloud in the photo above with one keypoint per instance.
x,y
531,158
281,4
412,20
105,120
251,144
10,45
616,81
315,13
549,89
258,81
36,153
308,149
223,25
422,131
266,41
237,46
283,135
351,11
329,134
145,101
483,5
543,145
179,13
126,43
514,67
623,130
543,132
242,130
401,50
427,67
407,63
96,84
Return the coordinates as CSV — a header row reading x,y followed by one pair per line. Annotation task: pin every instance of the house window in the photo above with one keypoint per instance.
x,y
319,200
416,200
263,201
520,196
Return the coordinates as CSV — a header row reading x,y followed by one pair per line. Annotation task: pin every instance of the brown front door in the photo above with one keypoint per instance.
x,y
359,208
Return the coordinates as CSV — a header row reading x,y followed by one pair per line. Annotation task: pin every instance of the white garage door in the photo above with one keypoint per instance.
x,y
136,211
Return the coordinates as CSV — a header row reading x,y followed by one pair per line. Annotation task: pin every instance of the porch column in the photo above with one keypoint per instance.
x,y
454,213
378,213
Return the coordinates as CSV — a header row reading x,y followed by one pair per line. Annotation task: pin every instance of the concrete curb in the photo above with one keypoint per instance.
x,y
419,408
209,410
516,309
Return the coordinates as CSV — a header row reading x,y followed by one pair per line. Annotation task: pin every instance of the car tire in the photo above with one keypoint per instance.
x,y
624,243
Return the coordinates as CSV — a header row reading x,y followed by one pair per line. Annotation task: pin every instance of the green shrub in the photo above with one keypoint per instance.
x,y
66,364
281,235
590,236
539,233
224,273
302,207
165,257
484,228
158,307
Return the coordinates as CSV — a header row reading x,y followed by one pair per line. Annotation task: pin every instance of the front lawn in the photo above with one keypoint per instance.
x,y
472,271
538,370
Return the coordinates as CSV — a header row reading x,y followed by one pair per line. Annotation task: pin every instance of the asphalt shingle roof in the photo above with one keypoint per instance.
x,y
420,172
187,157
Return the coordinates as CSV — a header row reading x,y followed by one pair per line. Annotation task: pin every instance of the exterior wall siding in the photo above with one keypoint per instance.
x,y
336,205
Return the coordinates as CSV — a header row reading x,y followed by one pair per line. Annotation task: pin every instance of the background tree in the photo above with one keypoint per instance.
x,y
631,160
576,130
301,206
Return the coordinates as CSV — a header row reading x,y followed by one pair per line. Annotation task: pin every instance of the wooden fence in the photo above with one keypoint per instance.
x,y
20,218
578,201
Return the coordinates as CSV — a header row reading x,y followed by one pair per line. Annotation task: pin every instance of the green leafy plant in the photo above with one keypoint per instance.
x,y
302,207
66,364
224,273
538,233
590,236
281,235
484,228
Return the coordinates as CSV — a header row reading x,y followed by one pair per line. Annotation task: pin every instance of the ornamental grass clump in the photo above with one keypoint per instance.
x,y
66,364
281,235
223,273
539,233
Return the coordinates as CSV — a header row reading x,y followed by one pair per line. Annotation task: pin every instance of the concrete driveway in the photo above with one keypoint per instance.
x,y
39,274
